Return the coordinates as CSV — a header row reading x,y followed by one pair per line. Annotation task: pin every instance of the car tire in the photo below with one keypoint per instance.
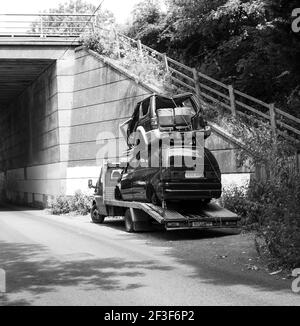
x,y
129,226
95,216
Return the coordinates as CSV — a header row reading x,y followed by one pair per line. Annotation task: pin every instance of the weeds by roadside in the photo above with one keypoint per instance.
x,y
271,203
79,204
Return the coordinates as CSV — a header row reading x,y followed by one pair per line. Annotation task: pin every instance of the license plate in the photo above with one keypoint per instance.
x,y
198,224
193,175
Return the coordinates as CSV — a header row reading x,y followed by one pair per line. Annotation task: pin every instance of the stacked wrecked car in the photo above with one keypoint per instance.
x,y
167,158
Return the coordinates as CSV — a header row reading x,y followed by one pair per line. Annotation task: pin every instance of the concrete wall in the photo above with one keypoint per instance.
x,y
103,99
226,152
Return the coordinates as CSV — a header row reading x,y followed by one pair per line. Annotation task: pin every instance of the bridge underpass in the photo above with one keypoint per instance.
x,y
36,80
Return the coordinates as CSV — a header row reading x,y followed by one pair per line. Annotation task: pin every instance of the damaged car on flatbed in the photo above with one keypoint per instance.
x,y
160,113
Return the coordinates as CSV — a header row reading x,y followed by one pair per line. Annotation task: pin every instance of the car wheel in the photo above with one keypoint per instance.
x,y
129,222
95,216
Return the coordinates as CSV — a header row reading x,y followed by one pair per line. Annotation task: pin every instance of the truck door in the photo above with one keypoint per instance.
x,y
139,180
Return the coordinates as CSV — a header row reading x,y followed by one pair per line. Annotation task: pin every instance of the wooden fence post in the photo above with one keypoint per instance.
x,y
118,43
273,118
165,58
197,83
94,24
232,100
140,48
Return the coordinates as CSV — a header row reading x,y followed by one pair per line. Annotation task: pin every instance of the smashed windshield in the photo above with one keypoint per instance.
x,y
164,102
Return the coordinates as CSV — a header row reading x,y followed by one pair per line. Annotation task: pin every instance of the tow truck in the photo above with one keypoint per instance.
x,y
141,216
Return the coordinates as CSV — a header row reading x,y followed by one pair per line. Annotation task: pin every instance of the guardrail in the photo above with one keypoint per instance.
x,y
215,93
46,25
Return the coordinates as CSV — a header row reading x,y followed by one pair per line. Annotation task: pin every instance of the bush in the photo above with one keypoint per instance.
x,y
270,204
237,200
59,205
79,203
282,240
102,43
274,212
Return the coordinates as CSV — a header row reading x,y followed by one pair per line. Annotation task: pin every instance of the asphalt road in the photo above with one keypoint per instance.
x,y
52,260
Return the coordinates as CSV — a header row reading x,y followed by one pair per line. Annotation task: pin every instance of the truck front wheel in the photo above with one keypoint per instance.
x,y
129,221
96,217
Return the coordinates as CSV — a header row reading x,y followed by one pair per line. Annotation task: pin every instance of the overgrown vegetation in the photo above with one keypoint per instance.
x,y
79,204
138,62
270,204
247,43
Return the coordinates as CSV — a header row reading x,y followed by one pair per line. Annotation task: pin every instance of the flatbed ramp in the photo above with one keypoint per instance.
x,y
177,217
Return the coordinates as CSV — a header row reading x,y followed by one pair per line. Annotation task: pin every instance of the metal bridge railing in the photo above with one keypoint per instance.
x,y
46,25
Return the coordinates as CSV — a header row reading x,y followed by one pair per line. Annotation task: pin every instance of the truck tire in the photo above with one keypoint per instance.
x,y
129,226
95,216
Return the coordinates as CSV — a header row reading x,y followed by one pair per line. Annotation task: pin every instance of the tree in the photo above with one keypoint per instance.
x,y
73,25
147,23
247,43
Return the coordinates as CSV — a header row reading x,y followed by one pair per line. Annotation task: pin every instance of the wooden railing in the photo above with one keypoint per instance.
x,y
46,25
217,94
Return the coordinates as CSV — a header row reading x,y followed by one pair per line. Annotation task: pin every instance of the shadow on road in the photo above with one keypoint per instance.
x,y
220,257
27,272
216,258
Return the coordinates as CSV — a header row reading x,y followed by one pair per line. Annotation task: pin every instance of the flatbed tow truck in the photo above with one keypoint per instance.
x,y
140,216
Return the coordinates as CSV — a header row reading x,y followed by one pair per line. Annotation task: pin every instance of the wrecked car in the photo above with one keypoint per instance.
x,y
159,113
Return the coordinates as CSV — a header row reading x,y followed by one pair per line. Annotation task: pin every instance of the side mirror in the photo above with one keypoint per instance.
x,y
90,184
